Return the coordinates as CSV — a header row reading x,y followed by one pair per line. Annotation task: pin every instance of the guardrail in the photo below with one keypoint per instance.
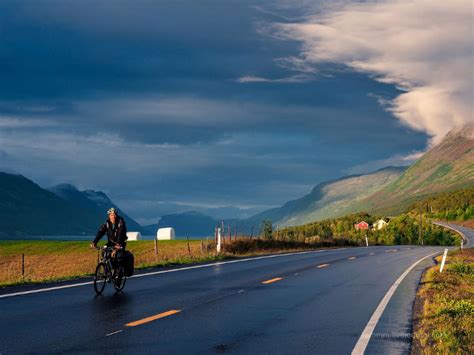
x,y
464,239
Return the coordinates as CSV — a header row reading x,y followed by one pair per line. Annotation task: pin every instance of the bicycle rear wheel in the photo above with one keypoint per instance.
x,y
120,279
100,278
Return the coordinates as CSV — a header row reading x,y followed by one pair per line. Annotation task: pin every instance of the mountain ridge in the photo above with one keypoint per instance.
x,y
445,167
96,201
333,193
27,209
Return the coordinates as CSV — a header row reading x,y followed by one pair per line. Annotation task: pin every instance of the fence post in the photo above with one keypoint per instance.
x,y
155,244
189,249
219,237
202,246
444,260
23,265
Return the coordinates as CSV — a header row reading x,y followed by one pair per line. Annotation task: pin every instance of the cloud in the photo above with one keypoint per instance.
x,y
424,47
298,78
396,160
127,91
21,122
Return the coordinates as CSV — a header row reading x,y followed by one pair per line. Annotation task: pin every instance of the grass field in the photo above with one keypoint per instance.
x,y
444,309
59,260
56,260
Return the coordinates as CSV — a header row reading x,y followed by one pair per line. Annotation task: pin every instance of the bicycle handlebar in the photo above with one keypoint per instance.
x,y
104,247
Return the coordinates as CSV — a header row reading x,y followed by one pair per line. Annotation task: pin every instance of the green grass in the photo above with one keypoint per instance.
x,y
40,247
62,260
445,322
440,171
43,247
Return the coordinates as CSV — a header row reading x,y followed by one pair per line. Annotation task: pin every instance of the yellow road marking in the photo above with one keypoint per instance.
x,y
272,280
352,258
323,265
152,318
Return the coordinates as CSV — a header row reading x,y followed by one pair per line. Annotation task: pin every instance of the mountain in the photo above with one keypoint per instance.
x,y
91,200
329,199
187,224
27,209
446,167
70,193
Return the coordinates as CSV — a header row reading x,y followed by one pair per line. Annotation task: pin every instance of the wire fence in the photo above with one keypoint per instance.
x,y
33,267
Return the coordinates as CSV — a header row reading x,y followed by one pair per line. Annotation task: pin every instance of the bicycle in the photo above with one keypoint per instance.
x,y
106,273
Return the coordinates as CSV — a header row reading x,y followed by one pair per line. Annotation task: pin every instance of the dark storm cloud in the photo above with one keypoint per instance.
x,y
152,93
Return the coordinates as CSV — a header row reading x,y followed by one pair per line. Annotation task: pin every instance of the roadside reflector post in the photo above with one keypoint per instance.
x,y
219,237
462,243
444,260
366,241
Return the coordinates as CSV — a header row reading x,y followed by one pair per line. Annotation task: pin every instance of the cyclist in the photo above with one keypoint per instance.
x,y
116,231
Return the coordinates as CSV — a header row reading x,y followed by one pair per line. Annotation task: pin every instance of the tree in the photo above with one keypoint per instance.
x,y
267,229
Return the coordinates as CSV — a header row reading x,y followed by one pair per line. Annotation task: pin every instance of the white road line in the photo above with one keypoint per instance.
x,y
165,272
363,341
227,262
45,289
118,331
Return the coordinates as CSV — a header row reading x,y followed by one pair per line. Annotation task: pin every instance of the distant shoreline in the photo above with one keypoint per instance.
x,y
81,238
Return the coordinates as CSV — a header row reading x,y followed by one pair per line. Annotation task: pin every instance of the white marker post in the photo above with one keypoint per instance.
x,y
219,246
462,243
366,241
444,260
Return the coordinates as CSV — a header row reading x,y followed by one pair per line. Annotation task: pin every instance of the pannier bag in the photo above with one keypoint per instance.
x,y
129,263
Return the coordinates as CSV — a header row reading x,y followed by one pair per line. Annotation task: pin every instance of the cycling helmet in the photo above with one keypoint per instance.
x,y
112,210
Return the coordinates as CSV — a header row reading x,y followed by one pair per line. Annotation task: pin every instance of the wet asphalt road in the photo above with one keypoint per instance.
x,y
226,308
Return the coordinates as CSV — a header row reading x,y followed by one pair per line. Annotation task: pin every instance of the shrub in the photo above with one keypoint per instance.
x,y
462,268
458,308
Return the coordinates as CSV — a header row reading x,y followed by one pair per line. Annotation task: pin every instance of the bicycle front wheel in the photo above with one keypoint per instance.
x,y
100,278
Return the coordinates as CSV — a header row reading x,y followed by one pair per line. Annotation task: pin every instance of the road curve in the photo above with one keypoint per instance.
x,y
466,233
313,302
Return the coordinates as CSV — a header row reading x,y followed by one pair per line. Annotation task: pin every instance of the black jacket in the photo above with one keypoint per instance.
x,y
115,234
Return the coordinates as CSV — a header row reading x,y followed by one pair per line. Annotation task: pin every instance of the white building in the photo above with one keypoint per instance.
x,y
165,234
134,236
381,223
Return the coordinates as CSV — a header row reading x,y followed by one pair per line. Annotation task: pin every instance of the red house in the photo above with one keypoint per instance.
x,y
361,225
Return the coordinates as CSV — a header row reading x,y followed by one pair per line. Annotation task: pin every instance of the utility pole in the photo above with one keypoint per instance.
x,y
421,225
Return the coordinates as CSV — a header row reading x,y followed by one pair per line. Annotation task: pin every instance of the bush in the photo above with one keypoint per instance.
x,y
462,268
458,308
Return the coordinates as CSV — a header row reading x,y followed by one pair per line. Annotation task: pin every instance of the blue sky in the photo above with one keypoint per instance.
x,y
171,105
